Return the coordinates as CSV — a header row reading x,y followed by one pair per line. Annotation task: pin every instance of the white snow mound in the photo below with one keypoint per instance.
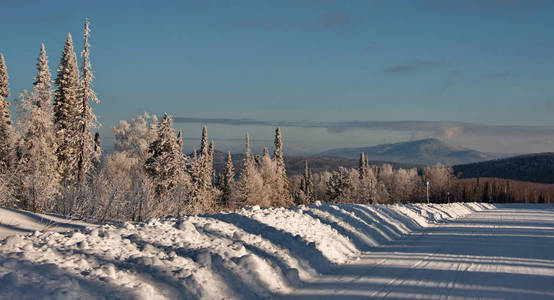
x,y
254,253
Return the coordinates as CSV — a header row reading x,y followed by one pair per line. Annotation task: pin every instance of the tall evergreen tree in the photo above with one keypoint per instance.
x,y
38,177
85,117
284,195
228,182
363,166
7,133
66,98
165,165
204,178
210,164
306,186
251,183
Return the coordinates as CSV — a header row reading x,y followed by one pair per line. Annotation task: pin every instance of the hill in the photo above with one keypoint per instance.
x,y
538,167
427,152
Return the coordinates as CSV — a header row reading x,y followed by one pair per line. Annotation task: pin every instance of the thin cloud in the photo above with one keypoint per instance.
x,y
413,66
445,130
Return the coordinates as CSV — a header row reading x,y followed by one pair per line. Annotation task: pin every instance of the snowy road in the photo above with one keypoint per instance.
x,y
505,253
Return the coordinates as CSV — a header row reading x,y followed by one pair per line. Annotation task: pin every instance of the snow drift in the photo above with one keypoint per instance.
x,y
250,254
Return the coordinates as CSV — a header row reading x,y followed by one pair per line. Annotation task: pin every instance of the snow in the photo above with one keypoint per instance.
x,y
323,250
14,221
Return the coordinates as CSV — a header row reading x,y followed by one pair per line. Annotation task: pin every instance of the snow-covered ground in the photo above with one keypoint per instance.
x,y
14,221
327,250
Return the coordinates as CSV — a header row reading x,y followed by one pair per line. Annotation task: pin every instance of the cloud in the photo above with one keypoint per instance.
x,y
413,66
445,130
334,20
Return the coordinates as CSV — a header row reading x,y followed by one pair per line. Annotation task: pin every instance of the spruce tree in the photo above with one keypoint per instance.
x,y
228,182
363,167
7,133
250,185
210,165
66,99
307,185
165,164
284,195
85,117
38,176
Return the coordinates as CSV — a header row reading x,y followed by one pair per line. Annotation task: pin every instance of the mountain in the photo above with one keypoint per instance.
x,y
427,151
536,167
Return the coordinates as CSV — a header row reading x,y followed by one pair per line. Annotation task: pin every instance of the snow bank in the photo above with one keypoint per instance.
x,y
251,254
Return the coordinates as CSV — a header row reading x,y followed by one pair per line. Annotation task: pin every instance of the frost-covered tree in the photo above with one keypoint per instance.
x,y
305,193
66,99
440,178
85,117
341,186
7,133
136,135
210,164
203,194
228,183
404,185
251,183
205,161
37,165
282,184
363,166
165,165
267,169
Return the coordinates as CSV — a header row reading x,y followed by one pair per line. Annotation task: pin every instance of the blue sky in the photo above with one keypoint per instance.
x,y
468,64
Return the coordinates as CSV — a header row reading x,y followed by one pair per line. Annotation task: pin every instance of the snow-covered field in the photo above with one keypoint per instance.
x,y
307,251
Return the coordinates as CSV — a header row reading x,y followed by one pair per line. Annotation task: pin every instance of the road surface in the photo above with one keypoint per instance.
x,y
505,253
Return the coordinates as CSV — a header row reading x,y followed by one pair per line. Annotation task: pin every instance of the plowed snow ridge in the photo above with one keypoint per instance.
x,y
255,253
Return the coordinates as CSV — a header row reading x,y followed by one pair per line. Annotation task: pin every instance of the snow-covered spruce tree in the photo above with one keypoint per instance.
x,y
203,193
341,187
7,133
228,184
306,195
363,166
38,182
367,181
165,166
206,161
267,169
210,164
66,99
282,184
251,183
85,117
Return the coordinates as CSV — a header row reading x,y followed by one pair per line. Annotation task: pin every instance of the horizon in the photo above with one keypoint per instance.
x,y
331,74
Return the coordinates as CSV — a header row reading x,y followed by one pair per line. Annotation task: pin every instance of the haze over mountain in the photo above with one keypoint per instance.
x,y
426,151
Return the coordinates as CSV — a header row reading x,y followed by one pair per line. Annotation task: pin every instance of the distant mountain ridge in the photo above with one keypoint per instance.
x,y
536,167
426,151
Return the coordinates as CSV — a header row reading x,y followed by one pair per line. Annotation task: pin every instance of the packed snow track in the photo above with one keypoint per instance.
x,y
505,253
346,251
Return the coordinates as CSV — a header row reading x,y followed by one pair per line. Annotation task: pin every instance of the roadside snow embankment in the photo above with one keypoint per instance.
x,y
251,254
